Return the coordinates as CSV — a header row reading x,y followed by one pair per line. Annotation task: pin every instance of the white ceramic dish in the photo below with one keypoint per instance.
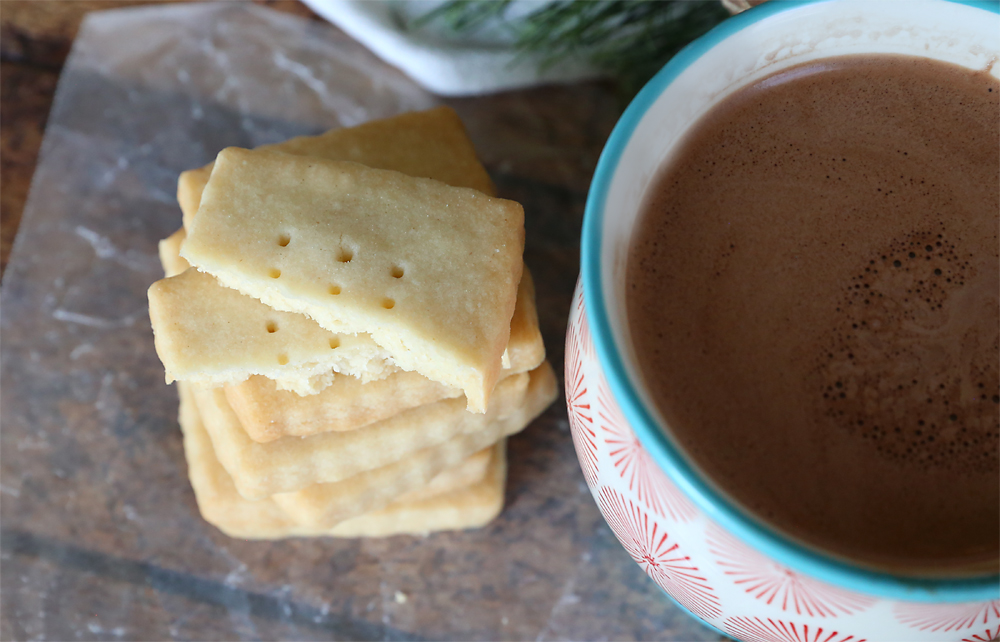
x,y
443,65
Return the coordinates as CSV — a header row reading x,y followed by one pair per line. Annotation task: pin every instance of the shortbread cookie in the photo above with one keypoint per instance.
x,y
418,476
211,335
326,505
292,463
267,413
428,270
429,144
474,507
170,254
222,506
247,348
470,471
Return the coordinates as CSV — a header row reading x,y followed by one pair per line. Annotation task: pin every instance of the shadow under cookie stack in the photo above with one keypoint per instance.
x,y
352,333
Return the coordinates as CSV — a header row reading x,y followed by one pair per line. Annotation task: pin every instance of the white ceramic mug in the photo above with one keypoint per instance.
x,y
723,566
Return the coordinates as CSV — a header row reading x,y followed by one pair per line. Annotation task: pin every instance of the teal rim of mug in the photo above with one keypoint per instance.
x,y
656,441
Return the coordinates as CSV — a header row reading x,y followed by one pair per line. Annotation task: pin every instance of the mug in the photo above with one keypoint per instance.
x,y
736,574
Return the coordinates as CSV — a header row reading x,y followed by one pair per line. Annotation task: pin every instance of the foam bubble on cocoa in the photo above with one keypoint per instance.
x,y
933,397
814,295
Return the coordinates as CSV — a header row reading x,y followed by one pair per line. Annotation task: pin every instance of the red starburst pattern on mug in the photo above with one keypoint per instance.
x,y
634,464
581,423
988,635
778,585
583,325
662,559
756,629
948,617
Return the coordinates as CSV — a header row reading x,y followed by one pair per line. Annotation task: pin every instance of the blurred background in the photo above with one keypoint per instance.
x,y
35,38
552,41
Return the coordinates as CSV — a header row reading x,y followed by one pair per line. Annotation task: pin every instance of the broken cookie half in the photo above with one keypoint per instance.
x,y
429,271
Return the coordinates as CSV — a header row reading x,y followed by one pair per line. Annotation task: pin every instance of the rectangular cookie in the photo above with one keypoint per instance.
x,y
268,413
326,505
211,335
238,350
429,271
474,506
429,144
292,463
470,471
222,506
170,254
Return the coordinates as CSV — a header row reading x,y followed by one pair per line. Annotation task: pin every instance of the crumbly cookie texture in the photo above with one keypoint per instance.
x,y
428,270
211,335
269,413
292,463
243,340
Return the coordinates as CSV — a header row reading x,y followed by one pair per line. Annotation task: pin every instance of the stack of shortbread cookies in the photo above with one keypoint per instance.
x,y
352,332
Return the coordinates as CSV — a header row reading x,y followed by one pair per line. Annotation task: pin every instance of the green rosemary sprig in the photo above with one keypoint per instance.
x,y
628,39
465,15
